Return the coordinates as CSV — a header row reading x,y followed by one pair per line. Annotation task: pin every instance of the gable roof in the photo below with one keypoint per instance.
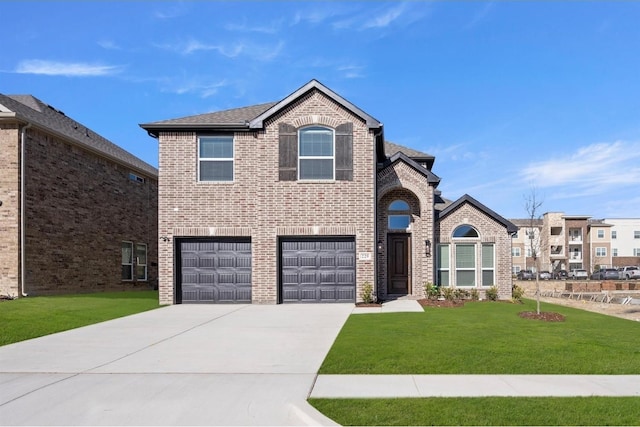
x,y
391,148
511,228
29,109
257,123
252,117
401,157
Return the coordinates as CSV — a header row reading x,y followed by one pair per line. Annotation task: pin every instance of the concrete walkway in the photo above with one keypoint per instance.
x,y
390,386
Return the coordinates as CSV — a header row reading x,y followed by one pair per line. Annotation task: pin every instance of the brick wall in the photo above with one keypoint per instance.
x,y
79,209
259,204
490,231
10,209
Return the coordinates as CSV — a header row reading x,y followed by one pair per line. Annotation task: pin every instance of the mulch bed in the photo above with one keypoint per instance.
x,y
544,316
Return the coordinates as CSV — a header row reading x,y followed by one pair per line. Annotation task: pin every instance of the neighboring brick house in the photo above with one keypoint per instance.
x,y
302,200
89,208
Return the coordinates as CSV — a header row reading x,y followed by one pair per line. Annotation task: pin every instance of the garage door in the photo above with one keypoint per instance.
x,y
215,271
318,270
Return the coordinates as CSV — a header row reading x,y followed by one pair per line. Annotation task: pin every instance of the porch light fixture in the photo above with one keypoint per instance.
x,y
427,247
380,248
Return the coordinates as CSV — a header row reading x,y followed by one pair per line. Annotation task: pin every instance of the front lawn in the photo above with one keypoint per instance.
x,y
486,411
485,338
32,317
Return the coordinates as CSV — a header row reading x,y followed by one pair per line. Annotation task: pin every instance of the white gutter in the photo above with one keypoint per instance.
x,y
22,213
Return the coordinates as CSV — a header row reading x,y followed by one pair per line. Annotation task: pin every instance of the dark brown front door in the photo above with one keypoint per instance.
x,y
398,256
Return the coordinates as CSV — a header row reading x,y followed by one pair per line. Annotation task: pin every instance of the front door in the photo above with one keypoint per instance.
x,y
398,264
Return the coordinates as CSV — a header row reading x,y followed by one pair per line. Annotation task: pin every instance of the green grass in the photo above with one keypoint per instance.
x,y
32,317
484,411
485,338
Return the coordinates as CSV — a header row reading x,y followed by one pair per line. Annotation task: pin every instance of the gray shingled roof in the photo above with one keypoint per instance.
x,y
30,109
234,116
391,148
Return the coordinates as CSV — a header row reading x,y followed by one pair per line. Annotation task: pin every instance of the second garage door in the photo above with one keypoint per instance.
x,y
318,270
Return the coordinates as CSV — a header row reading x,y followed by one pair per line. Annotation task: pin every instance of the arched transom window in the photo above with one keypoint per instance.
x,y
467,231
399,215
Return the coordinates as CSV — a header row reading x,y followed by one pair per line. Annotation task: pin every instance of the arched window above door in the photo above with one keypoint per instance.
x,y
465,231
399,215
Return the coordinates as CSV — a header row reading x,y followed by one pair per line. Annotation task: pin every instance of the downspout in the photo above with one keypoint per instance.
x,y
23,139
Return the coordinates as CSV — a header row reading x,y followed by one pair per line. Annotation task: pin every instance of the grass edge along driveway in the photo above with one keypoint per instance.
x,y
33,317
484,338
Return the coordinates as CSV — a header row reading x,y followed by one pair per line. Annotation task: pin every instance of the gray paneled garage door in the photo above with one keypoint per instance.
x,y
215,271
318,270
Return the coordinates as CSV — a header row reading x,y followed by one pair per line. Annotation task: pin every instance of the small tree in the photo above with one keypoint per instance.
x,y
532,206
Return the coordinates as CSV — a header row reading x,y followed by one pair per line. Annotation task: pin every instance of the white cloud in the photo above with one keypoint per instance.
x,y
272,28
261,52
481,15
69,69
603,163
386,18
109,45
202,89
351,71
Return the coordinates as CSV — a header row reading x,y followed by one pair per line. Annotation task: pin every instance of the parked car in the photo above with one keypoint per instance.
x,y
629,272
578,273
525,275
544,275
610,274
560,275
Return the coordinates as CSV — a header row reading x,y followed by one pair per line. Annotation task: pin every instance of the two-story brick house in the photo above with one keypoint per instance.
x,y
302,200
77,212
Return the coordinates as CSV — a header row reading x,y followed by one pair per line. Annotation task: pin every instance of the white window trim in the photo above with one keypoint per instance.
x,y
601,252
516,252
232,159
332,157
636,234
600,234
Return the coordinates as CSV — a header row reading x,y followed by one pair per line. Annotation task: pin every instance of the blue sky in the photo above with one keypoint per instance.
x,y
508,96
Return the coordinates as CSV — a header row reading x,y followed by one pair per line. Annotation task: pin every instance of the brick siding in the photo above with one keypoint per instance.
x,y
258,205
80,207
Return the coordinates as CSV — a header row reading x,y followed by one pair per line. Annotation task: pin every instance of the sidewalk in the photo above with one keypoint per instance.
x,y
391,386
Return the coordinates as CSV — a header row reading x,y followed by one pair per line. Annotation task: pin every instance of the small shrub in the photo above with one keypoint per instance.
x,y
431,291
448,293
474,295
367,293
492,293
517,293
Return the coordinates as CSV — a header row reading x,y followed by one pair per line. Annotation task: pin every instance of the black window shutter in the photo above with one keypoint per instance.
x,y
344,152
288,153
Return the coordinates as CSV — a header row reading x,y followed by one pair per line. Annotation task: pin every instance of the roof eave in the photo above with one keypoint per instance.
x,y
155,128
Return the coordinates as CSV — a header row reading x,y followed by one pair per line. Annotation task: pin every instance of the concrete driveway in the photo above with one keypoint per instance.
x,y
178,365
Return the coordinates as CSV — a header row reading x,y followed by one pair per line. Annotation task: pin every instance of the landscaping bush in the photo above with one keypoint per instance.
x,y
431,290
367,293
492,293
516,293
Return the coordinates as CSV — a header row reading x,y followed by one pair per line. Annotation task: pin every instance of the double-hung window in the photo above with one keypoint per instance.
x,y
316,158
215,158
443,265
127,261
600,252
465,265
141,261
488,265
